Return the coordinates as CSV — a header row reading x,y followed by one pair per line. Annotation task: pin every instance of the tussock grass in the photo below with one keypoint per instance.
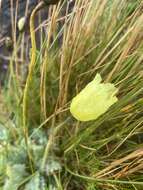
x,y
42,145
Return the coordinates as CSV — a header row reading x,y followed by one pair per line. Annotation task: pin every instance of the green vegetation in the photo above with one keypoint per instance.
x,y
42,147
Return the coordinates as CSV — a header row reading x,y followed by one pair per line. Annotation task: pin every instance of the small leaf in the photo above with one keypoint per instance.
x,y
52,166
3,133
36,183
15,175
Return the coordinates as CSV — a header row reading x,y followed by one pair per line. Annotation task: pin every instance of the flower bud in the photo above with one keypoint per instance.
x,y
21,23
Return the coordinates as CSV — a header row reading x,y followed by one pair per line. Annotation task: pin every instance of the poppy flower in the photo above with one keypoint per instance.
x,y
94,100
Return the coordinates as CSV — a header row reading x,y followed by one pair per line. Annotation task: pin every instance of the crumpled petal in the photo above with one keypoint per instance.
x,y
93,100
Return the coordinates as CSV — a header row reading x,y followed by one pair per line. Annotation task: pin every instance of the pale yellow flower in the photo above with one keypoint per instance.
x,y
93,100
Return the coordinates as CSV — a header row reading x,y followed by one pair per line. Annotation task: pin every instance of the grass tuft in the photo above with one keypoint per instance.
x,y
41,145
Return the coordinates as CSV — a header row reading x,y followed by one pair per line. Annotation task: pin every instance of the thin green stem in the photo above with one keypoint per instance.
x,y
29,77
